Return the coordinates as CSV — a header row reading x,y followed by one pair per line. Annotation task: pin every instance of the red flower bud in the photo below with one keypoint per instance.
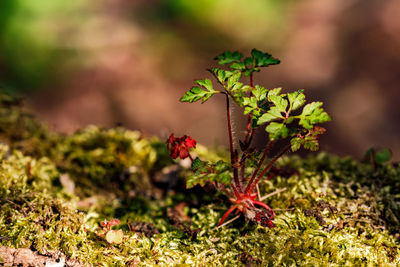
x,y
179,146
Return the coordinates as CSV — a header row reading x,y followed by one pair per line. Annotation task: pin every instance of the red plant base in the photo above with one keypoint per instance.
x,y
245,204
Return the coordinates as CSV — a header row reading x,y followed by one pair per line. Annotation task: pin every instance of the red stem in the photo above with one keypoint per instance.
x,y
267,149
250,186
226,214
228,117
233,154
262,204
248,138
242,168
235,191
248,128
251,136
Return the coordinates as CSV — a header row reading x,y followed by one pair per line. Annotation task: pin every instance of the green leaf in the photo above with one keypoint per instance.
x,y
311,107
277,130
296,143
250,104
224,178
247,73
274,113
296,99
313,114
205,172
263,59
248,61
206,83
233,79
250,101
197,93
222,166
275,91
221,75
198,163
238,66
279,102
229,57
311,143
383,156
260,93
289,120
237,86
248,110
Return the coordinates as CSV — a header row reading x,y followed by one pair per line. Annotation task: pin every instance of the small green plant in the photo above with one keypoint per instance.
x,y
377,158
280,114
111,236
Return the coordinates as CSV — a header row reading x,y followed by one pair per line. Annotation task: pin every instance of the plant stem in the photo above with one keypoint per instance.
x,y
262,204
267,149
250,186
248,128
226,215
235,191
234,157
228,117
248,138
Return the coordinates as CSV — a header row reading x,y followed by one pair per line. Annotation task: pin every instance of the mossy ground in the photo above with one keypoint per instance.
x,y
116,173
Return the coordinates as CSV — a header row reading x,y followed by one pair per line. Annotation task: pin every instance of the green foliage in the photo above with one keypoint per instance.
x,y
378,157
309,141
205,172
313,114
267,107
197,93
281,108
229,57
248,65
278,112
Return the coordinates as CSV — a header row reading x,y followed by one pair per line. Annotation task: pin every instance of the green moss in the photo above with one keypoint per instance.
x,y
96,158
108,165
21,131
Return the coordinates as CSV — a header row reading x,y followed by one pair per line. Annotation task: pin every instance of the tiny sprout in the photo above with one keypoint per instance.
x,y
111,236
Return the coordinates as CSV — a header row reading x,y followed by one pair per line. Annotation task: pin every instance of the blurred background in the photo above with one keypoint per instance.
x,y
127,62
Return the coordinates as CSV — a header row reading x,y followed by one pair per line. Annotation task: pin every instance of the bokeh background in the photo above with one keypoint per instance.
x,y
113,62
